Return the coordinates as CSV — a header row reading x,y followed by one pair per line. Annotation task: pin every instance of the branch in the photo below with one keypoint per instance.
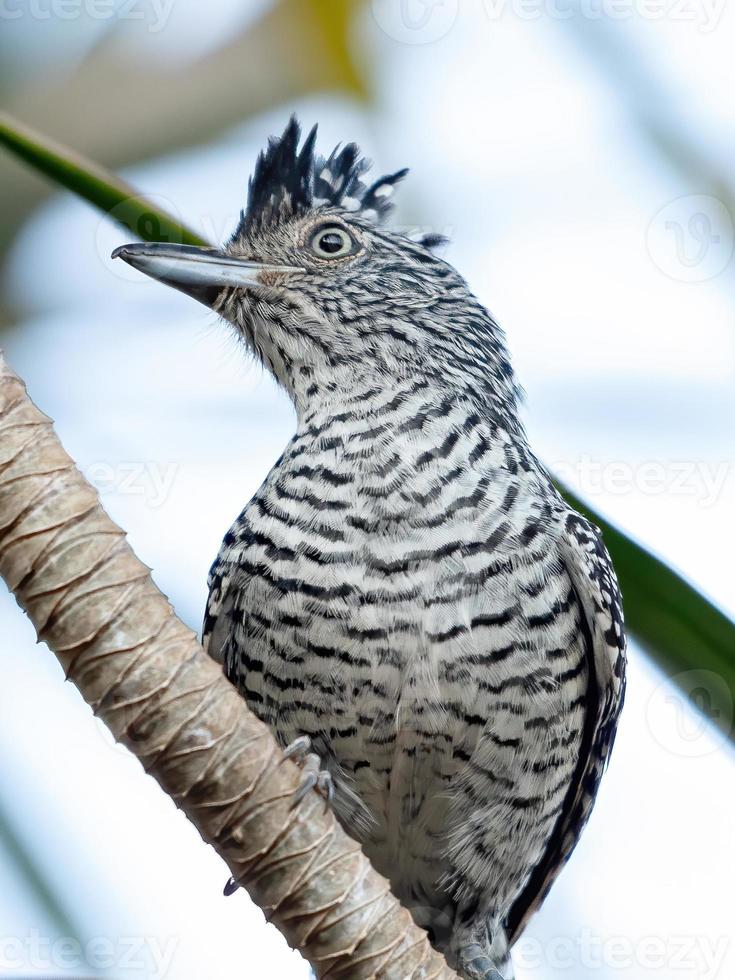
x,y
144,673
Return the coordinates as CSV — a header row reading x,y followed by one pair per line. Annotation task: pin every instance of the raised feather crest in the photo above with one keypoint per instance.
x,y
288,181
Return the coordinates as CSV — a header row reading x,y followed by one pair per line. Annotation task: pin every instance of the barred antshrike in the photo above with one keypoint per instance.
x,y
407,596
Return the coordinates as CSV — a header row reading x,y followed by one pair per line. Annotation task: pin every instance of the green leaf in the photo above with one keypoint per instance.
x,y
673,622
677,625
95,184
60,918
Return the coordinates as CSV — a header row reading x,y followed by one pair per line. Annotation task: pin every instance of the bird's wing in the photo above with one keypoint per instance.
x,y
594,582
215,625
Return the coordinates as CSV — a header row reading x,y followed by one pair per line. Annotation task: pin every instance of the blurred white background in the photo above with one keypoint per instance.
x,y
579,154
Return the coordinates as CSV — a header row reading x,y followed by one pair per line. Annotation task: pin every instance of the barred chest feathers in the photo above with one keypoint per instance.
x,y
394,590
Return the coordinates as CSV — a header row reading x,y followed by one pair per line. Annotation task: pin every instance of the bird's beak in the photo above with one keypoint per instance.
x,y
202,273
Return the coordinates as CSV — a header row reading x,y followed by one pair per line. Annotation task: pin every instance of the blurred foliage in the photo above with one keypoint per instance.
x,y
671,620
37,881
136,109
651,103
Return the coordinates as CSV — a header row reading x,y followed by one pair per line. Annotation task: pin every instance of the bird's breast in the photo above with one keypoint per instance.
x,y
399,606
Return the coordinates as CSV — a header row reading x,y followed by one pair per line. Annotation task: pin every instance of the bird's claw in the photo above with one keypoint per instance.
x,y
298,749
314,776
231,886
476,964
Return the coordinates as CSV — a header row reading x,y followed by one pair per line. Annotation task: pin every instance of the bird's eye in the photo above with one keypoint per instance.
x,y
332,242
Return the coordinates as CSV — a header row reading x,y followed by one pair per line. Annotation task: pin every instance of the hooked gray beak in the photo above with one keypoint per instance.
x,y
202,273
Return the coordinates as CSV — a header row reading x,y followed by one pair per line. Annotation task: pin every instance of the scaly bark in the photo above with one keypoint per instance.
x,y
144,673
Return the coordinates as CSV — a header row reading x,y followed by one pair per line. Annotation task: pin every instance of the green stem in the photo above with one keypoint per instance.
x,y
106,191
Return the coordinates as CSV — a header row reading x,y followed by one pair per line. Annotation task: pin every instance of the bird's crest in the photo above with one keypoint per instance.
x,y
288,181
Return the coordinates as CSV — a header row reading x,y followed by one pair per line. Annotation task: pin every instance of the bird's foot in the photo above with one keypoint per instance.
x,y
314,778
311,765
475,964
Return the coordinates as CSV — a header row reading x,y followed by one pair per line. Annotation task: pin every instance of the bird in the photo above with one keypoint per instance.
x,y
407,601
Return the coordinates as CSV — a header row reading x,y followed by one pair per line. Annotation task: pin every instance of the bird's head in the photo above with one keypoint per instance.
x,y
328,298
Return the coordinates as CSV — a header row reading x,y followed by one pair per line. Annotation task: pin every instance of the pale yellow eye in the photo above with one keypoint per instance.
x,y
332,242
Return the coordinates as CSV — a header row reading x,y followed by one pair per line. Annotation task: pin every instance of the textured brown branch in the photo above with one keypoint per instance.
x,y
144,673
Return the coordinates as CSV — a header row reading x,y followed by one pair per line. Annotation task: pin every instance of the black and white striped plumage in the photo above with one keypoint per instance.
x,y
407,587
